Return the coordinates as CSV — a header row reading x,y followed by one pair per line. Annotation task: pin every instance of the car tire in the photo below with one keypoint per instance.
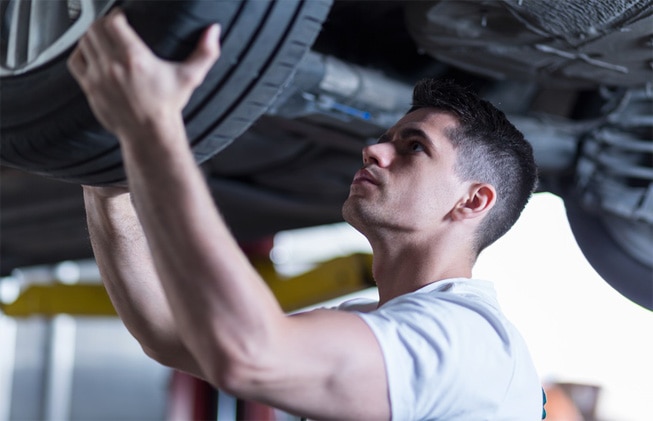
x,y
47,127
630,276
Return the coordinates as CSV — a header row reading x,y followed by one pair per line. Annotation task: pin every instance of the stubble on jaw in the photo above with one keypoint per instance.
x,y
351,213
367,216
356,213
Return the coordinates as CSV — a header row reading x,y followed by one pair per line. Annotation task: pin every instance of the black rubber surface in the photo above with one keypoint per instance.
x,y
631,278
48,129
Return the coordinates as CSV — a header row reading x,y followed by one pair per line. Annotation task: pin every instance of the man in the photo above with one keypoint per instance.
x,y
431,195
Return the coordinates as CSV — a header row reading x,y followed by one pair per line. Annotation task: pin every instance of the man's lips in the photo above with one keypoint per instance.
x,y
364,176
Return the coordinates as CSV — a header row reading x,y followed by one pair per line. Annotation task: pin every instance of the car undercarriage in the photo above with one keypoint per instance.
x,y
575,77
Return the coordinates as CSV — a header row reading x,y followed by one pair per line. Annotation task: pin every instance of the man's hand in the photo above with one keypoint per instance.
x,y
126,84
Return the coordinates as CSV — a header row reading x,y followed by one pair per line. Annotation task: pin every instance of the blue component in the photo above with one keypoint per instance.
x,y
351,111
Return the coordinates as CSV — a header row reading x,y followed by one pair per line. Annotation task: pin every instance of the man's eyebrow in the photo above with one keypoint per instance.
x,y
408,132
414,132
405,133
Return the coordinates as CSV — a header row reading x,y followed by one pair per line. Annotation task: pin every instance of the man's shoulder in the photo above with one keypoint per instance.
x,y
454,331
473,294
363,305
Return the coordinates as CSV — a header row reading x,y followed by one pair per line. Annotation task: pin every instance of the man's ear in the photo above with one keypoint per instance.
x,y
480,199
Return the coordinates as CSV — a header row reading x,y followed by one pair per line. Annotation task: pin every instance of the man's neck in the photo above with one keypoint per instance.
x,y
404,264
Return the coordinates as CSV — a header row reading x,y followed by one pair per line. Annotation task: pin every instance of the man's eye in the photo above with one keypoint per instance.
x,y
416,147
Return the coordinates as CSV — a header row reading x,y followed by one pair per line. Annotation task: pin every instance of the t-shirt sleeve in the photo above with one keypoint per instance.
x,y
443,360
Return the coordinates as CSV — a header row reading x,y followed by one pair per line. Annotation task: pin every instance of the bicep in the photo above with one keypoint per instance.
x,y
327,364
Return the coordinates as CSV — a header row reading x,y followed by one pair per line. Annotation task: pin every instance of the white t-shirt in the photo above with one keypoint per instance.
x,y
450,354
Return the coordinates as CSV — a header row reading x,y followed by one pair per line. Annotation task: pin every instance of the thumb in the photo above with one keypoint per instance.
x,y
207,51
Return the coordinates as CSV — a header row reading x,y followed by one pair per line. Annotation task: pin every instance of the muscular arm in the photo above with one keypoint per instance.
x,y
129,276
323,364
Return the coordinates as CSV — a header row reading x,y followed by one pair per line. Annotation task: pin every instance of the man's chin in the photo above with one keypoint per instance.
x,y
353,213
349,210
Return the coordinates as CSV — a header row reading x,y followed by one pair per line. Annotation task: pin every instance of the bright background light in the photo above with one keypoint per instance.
x,y
578,328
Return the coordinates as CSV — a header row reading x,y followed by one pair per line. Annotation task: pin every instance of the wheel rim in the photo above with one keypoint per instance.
x,y
36,31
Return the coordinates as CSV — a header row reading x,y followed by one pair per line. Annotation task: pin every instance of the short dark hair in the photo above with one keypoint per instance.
x,y
489,150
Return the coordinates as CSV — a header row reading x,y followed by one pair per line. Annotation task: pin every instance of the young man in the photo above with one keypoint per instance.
x,y
443,183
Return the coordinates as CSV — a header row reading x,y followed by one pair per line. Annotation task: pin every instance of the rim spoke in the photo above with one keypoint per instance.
x,y
48,22
35,31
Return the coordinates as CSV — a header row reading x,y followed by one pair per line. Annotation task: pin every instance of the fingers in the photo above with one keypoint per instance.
x,y
87,54
92,47
208,48
98,40
77,64
207,51
120,33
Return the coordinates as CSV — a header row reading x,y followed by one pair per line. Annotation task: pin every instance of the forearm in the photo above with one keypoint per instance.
x,y
223,309
130,279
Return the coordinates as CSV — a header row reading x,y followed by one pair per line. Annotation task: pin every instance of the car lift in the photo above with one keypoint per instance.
x,y
189,397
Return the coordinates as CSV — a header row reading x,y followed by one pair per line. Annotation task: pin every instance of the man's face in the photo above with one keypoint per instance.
x,y
408,182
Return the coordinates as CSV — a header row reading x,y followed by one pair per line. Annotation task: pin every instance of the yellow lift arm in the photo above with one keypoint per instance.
x,y
329,280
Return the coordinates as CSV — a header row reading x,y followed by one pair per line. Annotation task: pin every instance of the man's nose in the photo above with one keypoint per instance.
x,y
379,153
